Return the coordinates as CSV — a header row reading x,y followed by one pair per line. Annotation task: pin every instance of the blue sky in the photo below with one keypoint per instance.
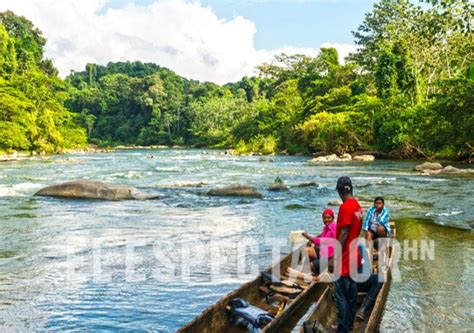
x,y
305,23
297,23
209,40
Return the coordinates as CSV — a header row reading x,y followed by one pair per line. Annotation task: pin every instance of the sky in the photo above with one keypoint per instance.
x,y
206,40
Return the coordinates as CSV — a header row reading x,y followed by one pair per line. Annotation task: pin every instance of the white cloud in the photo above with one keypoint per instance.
x,y
186,37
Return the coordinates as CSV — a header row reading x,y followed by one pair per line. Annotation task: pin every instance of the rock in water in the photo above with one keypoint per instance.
x,y
307,184
235,191
294,206
278,187
451,169
445,171
364,158
454,170
331,158
346,157
428,166
91,189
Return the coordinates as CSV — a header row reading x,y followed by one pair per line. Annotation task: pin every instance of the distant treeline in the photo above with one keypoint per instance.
x,y
408,90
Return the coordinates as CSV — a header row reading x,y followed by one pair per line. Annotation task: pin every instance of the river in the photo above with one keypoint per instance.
x,y
48,246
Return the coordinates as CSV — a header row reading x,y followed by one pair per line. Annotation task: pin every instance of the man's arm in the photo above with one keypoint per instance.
x,y
385,220
343,235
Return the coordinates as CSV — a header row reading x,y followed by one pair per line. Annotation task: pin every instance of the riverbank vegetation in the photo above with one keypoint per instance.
x,y
32,112
408,92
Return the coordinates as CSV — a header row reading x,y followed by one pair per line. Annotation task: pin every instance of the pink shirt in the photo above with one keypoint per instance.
x,y
329,231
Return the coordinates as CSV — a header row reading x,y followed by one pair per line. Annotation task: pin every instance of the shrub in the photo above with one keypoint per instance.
x,y
261,144
339,132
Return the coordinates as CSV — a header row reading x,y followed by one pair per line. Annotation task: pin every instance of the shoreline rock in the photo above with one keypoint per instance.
x,y
430,169
87,150
16,156
448,170
331,158
428,166
343,158
364,158
454,170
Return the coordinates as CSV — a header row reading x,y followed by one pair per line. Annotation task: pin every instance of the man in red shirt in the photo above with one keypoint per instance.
x,y
349,223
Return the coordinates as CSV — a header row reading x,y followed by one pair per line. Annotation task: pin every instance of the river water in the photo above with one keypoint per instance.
x,y
65,265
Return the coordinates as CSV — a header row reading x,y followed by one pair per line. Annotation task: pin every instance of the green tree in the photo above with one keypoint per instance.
x,y
32,113
386,74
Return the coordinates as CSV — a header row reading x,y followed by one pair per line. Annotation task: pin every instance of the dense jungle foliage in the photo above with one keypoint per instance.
x,y
32,112
408,90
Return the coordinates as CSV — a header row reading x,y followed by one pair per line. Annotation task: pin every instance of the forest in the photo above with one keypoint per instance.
x,y
407,92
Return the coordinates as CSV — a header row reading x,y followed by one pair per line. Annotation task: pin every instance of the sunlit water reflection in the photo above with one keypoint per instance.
x,y
48,246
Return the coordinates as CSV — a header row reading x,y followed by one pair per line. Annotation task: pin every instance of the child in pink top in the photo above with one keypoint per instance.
x,y
321,249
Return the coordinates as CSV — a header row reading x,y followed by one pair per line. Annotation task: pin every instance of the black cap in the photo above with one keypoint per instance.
x,y
344,185
379,199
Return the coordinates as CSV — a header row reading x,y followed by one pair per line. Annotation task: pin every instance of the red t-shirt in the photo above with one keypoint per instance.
x,y
350,215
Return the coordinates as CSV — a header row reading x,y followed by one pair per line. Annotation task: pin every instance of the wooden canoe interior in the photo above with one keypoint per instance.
x,y
215,319
325,311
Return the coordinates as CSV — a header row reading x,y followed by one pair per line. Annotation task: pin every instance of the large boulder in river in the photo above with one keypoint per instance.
x,y
428,166
364,158
278,187
235,190
91,189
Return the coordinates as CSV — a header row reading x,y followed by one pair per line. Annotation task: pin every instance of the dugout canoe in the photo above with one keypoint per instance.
x,y
324,312
215,318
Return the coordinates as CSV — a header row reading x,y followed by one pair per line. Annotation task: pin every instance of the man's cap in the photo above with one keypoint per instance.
x,y
344,184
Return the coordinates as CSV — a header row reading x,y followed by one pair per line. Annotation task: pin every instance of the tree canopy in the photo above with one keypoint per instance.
x,y
32,112
408,90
